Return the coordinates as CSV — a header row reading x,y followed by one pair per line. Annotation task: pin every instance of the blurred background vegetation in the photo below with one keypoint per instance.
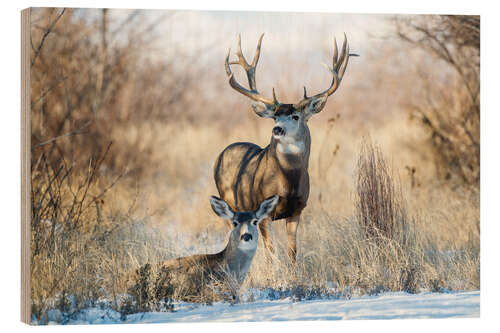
x,y
130,108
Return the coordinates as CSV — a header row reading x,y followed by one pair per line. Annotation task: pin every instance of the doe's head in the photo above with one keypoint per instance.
x,y
245,233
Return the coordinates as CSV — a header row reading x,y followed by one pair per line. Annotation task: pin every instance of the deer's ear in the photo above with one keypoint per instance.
x,y
267,206
262,110
315,105
221,208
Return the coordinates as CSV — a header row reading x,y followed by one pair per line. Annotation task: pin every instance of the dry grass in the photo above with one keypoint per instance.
x,y
437,246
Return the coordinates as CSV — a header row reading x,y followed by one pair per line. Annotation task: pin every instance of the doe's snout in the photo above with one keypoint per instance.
x,y
246,237
277,130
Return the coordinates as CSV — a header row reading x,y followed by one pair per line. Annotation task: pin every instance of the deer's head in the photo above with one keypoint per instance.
x,y
290,119
245,233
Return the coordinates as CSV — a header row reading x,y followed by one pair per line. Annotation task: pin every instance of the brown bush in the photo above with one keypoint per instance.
x,y
82,99
90,87
380,206
67,225
450,106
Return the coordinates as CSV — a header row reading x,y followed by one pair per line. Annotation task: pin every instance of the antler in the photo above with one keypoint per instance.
x,y
250,70
339,65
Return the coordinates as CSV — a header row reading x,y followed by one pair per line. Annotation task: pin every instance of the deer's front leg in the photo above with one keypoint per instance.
x,y
264,231
292,224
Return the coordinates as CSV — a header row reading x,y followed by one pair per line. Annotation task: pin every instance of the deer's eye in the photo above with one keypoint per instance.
x,y
235,224
295,117
254,222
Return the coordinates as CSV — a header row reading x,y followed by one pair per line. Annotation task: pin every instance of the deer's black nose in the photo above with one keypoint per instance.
x,y
246,237
278,131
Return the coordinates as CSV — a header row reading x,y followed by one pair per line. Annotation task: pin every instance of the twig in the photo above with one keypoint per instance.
x,y
46,33
77,132
46,91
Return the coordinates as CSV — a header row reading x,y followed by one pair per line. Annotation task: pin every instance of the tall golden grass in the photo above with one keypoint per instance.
x,y
381,215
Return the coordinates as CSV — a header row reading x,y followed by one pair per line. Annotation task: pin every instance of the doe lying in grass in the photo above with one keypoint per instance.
x,y
204,277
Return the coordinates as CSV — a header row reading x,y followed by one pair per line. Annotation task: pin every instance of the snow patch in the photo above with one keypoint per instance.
x,y
391,305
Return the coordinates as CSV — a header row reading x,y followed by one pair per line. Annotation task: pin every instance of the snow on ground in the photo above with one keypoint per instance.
x,y
397,305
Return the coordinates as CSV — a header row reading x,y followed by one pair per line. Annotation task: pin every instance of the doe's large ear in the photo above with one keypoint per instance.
x,y
262,110
267,206
221,208
315,105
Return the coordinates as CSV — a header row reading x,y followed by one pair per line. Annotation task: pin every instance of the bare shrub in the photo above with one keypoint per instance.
x,y
81,247
84,75
380,206
381,212
66,226
146,296
450,107
154,287
91,86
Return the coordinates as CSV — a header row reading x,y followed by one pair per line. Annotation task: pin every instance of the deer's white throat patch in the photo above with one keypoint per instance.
x,y
290,147
248,247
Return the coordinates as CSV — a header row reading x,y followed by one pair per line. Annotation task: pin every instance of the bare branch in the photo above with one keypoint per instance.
x,y
45,34
66,135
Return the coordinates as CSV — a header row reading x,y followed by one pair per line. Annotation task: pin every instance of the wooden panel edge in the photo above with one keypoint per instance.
x,y
25,167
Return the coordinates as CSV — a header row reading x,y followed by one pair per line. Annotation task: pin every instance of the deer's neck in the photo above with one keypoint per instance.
x,y
291,154
237,261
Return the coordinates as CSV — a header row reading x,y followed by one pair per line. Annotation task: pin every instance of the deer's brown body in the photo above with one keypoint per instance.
x,y
205,277
246,173
208,277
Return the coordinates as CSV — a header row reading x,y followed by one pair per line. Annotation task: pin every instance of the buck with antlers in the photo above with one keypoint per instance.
x,y
245,173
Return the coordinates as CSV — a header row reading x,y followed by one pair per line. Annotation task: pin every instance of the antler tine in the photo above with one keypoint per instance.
x,y
335,52
226,64
250,71
257,52
241,58
344,64
239,45
339,66
343,54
